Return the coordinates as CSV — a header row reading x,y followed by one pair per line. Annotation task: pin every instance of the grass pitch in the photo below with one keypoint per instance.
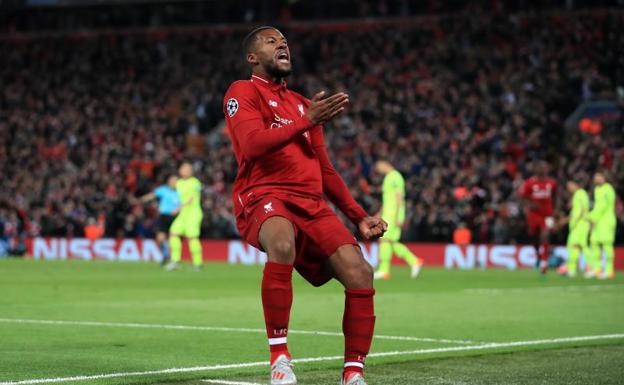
x,y
125,323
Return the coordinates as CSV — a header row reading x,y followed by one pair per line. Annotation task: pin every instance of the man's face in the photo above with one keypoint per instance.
x,y
271,52
542,169
186,170
599,179
378,167
172,181
571,186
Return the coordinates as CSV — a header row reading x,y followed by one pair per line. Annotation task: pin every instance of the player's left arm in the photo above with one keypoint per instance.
x,y
338,192
600,207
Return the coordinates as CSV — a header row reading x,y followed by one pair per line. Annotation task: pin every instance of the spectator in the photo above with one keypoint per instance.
x,y
461,104
462,236
93,230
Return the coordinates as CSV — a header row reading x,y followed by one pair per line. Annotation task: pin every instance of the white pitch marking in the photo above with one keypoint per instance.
x,y
494,290
230,382
493,345
222,329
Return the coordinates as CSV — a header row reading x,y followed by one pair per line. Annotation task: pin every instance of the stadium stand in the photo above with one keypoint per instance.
x,y
462,104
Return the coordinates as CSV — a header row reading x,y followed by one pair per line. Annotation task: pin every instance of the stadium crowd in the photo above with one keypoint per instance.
x,y
462,105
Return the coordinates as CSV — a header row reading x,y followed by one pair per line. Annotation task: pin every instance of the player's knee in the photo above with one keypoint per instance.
x,y
368,271
361,276
282,251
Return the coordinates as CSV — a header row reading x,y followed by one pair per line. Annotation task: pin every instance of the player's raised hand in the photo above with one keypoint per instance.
x,y
323,109
372,227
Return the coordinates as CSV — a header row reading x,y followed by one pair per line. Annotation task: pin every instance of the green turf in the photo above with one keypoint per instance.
x,y
569,366
479,306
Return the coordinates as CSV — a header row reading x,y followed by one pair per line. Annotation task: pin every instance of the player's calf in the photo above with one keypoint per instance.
x,y
358,322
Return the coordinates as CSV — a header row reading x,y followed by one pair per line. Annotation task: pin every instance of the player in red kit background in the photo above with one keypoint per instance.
x,y
284,174
539,193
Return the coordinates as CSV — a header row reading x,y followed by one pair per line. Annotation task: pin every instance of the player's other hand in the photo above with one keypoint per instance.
x,y
323,109
372,227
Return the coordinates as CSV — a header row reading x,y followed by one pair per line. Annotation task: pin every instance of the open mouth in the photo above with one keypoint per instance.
x,y
282,57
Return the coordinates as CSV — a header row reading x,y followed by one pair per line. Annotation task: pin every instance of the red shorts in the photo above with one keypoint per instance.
x,y
537,223
318,231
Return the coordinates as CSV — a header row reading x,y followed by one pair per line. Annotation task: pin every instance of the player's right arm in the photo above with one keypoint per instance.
x,y
241,107
525,195
156,194
576,213
147,197
398,206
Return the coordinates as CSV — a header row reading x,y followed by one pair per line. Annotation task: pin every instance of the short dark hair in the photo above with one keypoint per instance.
x,y
383,157
250,39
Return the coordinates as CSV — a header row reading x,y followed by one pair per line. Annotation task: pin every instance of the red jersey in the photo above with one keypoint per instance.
x,y
541,192
278,150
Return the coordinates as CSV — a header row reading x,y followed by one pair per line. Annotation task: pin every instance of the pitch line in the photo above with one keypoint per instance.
x,y
493,345
222,329
495,290
224,382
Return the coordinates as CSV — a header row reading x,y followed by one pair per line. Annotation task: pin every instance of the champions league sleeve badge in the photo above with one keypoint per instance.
x,y
231,107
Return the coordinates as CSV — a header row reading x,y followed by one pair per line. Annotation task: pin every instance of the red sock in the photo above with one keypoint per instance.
x,y
277,299
358,325
544,256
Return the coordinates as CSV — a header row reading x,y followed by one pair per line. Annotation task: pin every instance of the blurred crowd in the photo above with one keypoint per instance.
x,y
462,104
45,16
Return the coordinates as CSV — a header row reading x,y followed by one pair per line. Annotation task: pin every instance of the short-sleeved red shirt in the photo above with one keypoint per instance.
x,y
542,193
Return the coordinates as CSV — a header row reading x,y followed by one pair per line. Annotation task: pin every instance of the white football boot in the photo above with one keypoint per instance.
x,y
416,268
381,275
171,266
354,379
282,372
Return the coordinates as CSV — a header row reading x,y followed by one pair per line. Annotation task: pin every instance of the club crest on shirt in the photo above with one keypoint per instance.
x,y
231,106
268,207
272,103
